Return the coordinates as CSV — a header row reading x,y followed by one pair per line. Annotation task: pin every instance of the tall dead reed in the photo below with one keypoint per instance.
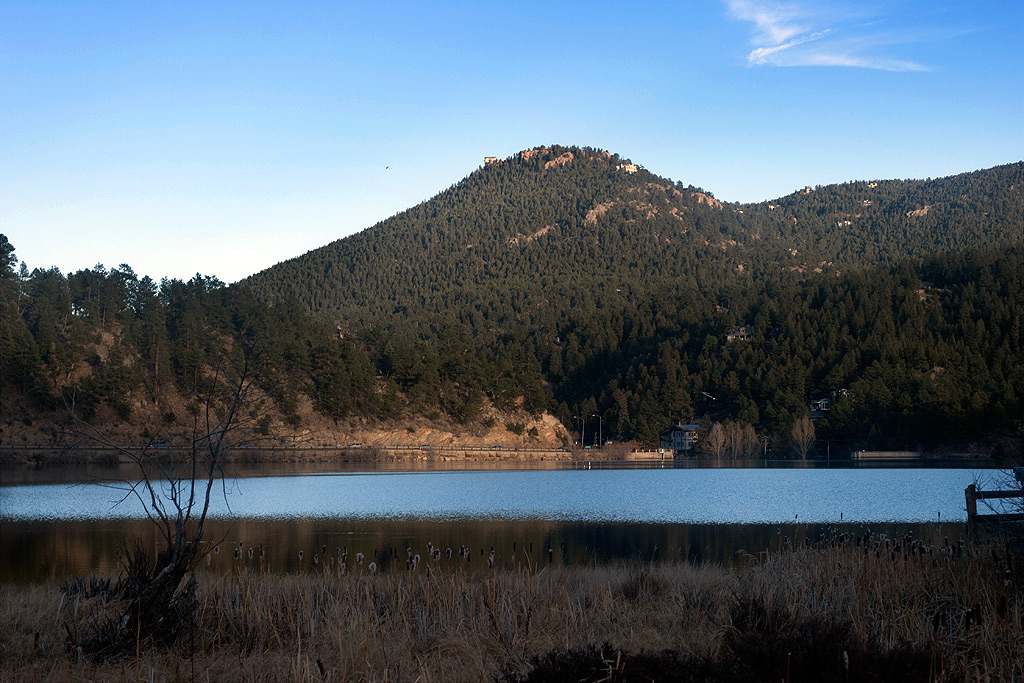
x,y
849,608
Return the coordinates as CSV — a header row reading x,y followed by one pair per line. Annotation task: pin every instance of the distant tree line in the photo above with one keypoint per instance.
x,y
918,354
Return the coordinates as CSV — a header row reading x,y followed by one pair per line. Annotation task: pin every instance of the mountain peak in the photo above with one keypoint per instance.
x,y
558,155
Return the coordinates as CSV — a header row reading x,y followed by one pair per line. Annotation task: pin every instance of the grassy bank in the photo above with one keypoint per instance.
x,y
845,610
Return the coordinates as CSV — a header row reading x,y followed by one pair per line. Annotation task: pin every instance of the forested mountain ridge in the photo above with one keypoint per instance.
x,y
567,225
572,282
615,288
884,221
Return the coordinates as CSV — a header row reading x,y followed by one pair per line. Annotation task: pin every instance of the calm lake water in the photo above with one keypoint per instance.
x,y
560,514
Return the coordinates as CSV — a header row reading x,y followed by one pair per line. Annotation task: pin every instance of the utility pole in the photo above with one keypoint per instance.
x,y
583,430
600,430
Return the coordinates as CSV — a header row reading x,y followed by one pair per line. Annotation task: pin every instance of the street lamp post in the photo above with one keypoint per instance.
x,y
600,430
583,429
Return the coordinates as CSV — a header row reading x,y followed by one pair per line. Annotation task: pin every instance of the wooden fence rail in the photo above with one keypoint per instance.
x,y
973,495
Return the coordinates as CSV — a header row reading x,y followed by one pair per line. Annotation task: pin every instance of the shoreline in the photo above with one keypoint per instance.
x,y
86,455
28,455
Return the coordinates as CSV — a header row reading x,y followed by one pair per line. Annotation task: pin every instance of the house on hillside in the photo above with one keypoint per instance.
x,y
680,438
820,404
818,407
742,333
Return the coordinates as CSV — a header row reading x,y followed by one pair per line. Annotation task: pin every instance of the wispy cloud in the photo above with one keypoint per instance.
x,y
805,34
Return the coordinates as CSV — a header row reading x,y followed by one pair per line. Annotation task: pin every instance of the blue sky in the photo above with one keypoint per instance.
x,y
222,138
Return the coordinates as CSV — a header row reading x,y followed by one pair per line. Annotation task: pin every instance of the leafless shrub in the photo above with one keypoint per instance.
x,y
177,480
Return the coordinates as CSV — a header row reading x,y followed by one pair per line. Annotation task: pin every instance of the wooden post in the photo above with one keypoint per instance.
x,y
971,494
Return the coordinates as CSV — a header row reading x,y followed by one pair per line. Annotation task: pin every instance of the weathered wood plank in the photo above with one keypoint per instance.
x,y
1015,517
998,494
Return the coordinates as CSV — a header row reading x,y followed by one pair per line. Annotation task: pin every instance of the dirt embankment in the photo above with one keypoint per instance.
x,y
31,435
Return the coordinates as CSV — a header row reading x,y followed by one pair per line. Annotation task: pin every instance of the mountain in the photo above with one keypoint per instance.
x,y
562,228
570,279
567,289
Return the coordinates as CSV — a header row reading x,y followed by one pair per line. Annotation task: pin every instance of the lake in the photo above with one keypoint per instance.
x,y
560,513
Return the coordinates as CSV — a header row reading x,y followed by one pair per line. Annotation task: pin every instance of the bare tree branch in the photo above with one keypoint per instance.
x,y
177,480
802,436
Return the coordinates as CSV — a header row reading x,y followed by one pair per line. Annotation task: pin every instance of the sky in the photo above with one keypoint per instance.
x,y
221,138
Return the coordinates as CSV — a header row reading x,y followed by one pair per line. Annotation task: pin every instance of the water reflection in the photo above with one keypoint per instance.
x,y
32,551
97,472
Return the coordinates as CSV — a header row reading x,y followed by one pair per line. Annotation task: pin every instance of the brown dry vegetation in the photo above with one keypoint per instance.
x,y
850,609
43,439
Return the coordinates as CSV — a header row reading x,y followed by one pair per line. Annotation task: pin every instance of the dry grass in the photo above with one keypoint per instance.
x,y
939,613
